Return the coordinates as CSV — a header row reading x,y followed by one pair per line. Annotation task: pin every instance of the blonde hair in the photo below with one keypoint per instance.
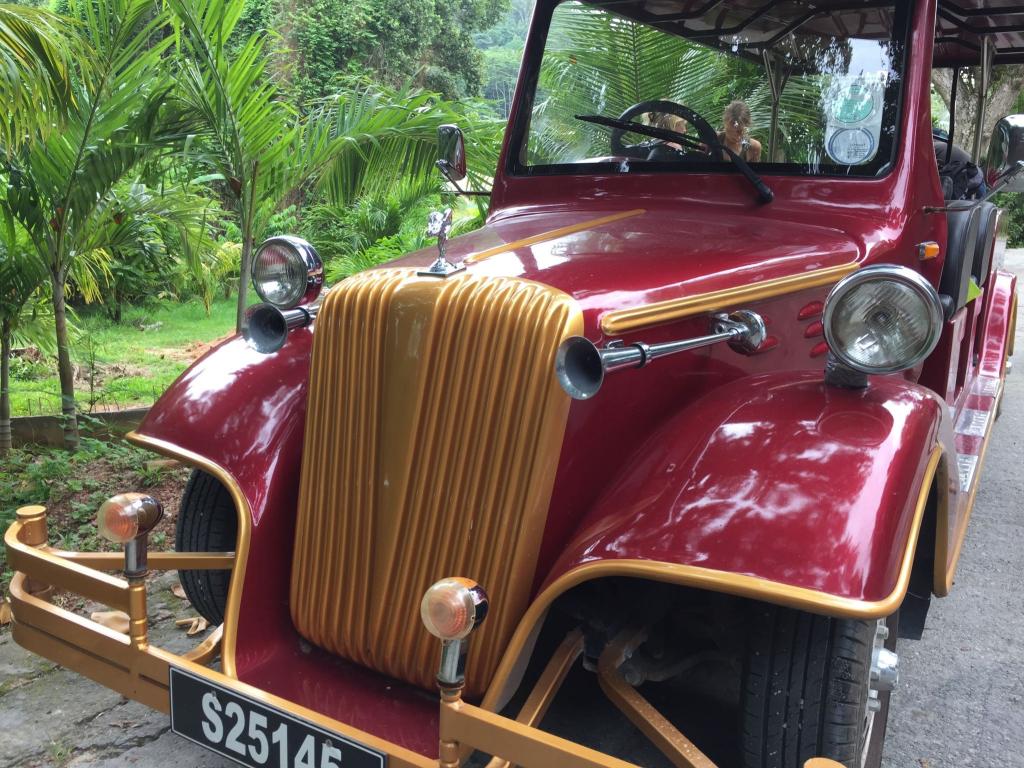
x,y
667,121
737,112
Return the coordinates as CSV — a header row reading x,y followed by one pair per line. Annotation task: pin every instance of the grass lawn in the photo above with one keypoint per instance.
x,y
125,364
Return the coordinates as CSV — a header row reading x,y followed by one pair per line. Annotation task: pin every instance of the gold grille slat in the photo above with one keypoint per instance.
x,y
433,431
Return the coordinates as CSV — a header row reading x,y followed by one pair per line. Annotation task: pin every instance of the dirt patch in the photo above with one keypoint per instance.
x,y
99,374
191,352
199,348
165,484
71,512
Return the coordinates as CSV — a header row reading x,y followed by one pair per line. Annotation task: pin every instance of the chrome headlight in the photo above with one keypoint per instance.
x,y
287,272
882,319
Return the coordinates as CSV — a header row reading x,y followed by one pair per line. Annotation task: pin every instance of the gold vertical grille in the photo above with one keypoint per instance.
x,y
433,431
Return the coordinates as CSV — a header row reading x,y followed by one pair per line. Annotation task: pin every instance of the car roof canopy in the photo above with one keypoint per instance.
x,y
964,25
750,28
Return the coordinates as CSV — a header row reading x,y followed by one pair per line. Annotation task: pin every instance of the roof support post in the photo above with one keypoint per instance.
x,y
985,79
952,114
778,73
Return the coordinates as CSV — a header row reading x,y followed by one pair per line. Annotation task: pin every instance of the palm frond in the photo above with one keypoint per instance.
x,y
35,78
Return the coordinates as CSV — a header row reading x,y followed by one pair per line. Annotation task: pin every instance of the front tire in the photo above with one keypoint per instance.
x,y
806,685
207,522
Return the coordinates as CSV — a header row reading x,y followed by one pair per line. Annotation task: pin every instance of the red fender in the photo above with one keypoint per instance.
x,y
240,415
779,487
242,410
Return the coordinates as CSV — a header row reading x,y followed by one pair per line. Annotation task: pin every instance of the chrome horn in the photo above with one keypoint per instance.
x,y
266,327
580,365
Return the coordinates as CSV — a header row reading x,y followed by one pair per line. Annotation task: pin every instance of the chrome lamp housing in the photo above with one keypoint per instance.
x,y
882,319
287,272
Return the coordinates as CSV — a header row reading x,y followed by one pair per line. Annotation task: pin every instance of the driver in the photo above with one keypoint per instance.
x,y
736,121
668,122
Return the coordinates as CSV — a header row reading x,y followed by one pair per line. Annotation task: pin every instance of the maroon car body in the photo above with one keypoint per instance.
x,y
744,474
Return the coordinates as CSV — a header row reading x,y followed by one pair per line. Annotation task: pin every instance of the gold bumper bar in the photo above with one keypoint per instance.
x,y
130,665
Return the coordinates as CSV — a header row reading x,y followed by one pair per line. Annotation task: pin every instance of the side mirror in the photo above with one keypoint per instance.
x,y
1005,152
451,152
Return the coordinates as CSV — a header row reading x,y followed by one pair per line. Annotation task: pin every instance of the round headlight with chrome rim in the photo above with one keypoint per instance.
x,y
882,319
287,272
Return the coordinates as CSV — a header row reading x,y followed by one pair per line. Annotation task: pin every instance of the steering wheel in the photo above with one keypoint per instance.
x,y
707,134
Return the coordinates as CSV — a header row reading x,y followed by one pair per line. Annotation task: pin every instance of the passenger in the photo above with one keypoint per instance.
x,y
736,123
668,122
961,178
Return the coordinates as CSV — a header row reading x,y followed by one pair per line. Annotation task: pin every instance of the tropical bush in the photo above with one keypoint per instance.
x,y
149,146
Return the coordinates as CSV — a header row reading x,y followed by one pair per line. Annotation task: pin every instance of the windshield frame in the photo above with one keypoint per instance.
x,y
884,163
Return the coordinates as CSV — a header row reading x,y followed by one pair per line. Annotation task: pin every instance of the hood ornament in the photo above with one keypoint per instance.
x,y
439,225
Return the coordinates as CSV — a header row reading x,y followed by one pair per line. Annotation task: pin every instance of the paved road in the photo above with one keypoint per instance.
x,y
960,703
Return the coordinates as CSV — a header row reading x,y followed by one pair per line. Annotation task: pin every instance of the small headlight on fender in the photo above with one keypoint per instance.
x,y
287,272
882,319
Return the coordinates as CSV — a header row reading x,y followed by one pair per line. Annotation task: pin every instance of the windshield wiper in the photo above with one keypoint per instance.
x,y
763,190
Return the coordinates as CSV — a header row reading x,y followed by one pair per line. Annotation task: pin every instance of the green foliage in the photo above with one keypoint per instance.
x,y
1014,205
247,133
170,244
383,137
22,276
68,483
393,41
510,30
35,77
24,368
501,69
344,235
60,186
376,232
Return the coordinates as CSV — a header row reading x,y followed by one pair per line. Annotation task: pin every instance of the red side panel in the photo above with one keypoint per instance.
x,y
778,477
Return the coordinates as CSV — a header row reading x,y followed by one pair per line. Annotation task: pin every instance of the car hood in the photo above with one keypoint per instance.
x,y
610,260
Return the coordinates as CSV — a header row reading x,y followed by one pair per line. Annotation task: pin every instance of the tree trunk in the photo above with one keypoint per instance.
x,y
1000,104
1002,94
244,275
64,370
5,384
247,207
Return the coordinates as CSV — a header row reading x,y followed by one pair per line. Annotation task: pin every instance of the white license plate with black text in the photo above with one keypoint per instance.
x,y
255,734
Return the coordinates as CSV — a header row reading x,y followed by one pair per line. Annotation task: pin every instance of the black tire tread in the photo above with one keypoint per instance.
x,y
804,688
207,522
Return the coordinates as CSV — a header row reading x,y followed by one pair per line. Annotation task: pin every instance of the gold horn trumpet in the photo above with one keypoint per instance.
x,y
581,366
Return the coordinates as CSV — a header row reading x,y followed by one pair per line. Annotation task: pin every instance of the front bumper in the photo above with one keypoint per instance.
x,y
130,665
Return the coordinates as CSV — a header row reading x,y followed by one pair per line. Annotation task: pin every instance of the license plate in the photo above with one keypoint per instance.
x,y
253,734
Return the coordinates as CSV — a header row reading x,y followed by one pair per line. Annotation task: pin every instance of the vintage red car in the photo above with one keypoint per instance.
x,y
744,529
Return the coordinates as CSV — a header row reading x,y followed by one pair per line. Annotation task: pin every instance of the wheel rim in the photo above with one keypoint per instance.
x,y
883,676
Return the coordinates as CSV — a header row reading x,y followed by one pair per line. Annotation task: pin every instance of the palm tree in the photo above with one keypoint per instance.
x,y
248,134
22,275
360,141
59,184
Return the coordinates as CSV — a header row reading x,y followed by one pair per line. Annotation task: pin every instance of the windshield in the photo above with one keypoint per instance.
x,y
787,86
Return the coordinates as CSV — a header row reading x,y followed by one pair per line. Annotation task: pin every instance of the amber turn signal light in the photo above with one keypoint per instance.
x,y
454,607
127,516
